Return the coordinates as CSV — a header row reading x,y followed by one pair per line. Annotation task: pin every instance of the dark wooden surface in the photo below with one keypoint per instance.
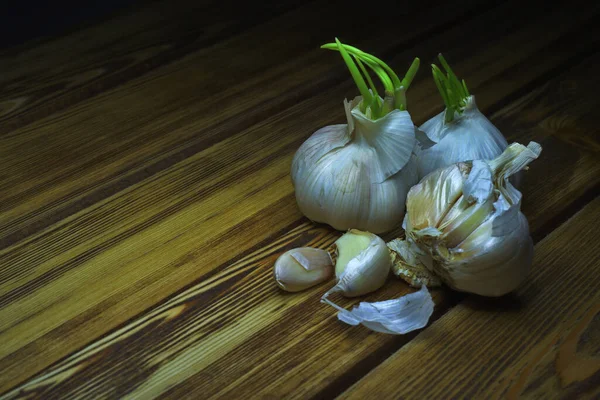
x,y
145,194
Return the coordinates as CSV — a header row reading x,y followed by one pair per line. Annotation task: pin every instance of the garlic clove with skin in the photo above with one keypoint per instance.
x,y
302,268
362,266
363,263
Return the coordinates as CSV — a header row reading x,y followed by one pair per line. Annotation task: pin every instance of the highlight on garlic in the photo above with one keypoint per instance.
x,y
362,265
460,132
464,225
302,268
357,175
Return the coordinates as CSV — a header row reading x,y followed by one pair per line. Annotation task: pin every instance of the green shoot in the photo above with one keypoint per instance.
x,y
410,74
358,79
454,92
376,106
395,89
371,60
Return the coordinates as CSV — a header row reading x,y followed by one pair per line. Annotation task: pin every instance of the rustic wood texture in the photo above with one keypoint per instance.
x,y
541,342
142,208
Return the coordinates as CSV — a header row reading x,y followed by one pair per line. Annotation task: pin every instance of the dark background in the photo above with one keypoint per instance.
x,y
34,20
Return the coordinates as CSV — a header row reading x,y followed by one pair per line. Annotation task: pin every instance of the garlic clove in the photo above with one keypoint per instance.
x,y
302,268
363,263
431,199
396,316
407,265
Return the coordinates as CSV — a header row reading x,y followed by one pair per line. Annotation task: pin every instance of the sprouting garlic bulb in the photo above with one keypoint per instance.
x,y
363,263
459,133
464,224
302,268
357,175
470,136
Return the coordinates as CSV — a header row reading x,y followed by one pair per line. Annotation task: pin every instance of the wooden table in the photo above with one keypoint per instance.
x,y
145,194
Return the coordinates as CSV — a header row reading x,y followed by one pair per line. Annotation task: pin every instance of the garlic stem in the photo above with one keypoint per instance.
x,y
388,78
453,91
358,79
410,74
369,59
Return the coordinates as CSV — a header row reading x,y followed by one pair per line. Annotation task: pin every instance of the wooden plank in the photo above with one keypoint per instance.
x,y
38,81
233,331
101,146
59,253
541,342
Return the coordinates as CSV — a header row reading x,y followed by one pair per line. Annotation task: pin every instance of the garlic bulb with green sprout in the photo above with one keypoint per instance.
x,y
461,132
357,175
464,225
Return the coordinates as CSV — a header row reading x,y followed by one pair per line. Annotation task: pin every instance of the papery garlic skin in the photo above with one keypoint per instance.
x,y
365,272
466,221
357,175
396,317
302,268
470,136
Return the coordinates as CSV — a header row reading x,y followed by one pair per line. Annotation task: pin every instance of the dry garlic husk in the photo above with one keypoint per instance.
x,y
362,264
396,316
357,175
302,268
463,223
459,133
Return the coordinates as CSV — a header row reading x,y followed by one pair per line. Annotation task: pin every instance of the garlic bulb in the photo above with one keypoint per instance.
x,y
302,268
459,133
464,224
357,175
363,263
396,316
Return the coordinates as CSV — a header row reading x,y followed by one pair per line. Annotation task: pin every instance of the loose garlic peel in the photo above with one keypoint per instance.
x,y
395,317
302,268
463,223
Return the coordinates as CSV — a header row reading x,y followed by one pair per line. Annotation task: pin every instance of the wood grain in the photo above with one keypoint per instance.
x,y
234,332
40,80
104,145
541,342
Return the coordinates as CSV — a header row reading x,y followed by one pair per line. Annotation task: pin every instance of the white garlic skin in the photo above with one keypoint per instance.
x,y
357,175
466,218
470,136
302,268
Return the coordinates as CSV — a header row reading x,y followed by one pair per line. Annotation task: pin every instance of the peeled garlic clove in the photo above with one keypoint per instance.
x,y
396,316
407,265
302,268
363,263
